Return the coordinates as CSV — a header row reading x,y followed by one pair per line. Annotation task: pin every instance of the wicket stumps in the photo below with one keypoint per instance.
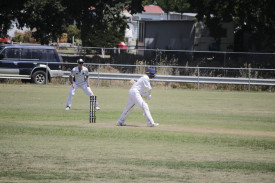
x,y
92,109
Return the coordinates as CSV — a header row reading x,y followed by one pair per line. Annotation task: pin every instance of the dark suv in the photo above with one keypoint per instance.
x,y
36,63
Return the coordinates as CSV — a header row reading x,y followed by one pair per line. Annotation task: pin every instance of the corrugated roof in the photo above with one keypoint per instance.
x,y
152,9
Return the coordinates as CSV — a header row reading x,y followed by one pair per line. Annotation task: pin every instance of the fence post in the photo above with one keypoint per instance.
x,y
84,54
157,57
98,70
224,62
103,52
47,73
224,57
198,85
249,70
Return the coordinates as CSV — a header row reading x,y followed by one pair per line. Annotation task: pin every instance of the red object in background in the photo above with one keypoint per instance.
x,y
5,40
122,45
153,9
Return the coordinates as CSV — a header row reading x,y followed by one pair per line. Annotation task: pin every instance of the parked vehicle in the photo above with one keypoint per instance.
x,y
27,62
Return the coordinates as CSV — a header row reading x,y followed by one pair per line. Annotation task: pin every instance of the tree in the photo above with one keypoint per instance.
x,y
46,16
9,10
101,18
166,5
97,21
255,17
101,22
106,27
181,6
134,6
148,2
72,31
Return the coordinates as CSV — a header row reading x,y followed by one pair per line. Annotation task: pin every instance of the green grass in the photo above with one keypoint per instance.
x,y
204,136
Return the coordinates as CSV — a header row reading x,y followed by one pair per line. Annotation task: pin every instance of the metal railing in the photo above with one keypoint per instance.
x,y
181,74
197,76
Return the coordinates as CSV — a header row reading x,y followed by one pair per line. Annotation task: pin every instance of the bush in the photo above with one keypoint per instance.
x,y
25,37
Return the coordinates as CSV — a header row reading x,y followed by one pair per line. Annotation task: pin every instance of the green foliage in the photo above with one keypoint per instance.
x,y
148,2
108,26
18,37
104,38
25,37
181,6
9,10
50,18
166,5
72,30
102,23
47,17
253,17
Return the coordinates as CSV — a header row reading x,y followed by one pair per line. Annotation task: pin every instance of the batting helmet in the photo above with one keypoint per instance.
x,y
151,72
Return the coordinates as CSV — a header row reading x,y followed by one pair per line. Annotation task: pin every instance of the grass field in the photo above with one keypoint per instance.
x,y
204,136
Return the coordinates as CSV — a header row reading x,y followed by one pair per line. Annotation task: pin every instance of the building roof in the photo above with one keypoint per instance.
x,y
152,9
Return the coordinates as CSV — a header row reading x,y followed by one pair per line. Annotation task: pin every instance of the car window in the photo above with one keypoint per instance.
x,y
11,53
33,54
36,54
26,54
48,55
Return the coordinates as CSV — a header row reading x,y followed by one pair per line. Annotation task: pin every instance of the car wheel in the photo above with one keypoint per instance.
x,y
39,77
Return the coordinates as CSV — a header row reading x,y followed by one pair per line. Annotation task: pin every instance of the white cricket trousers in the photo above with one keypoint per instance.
x,y
136,98
83,86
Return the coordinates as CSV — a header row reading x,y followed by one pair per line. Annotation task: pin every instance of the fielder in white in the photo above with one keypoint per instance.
x,y
140,90
79,77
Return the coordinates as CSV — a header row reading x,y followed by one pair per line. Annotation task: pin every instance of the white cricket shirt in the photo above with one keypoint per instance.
x,y
81,76
142,84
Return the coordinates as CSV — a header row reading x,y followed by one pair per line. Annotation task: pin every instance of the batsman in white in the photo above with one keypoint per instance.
x,y
79,77
140,90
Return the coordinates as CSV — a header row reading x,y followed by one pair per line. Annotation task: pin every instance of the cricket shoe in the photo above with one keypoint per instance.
x,y
68,108
120,123
152,124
